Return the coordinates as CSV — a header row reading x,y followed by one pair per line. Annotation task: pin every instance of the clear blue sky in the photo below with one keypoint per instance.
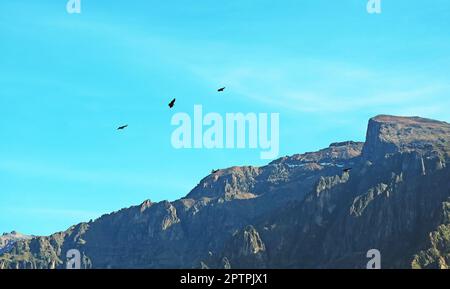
x,y
67,81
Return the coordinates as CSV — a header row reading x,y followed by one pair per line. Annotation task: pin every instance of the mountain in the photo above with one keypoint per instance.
x,y
301,211
7,240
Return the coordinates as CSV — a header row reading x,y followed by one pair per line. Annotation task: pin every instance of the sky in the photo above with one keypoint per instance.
x,y
67,81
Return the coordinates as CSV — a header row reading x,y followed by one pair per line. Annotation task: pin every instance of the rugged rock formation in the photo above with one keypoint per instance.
x,y
301,211
7,240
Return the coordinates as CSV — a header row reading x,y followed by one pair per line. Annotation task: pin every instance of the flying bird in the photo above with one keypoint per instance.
x,y
347,170
172,103
122,127
221,89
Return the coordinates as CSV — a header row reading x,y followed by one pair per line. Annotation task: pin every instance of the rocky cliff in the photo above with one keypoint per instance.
x,y
7,240
302,211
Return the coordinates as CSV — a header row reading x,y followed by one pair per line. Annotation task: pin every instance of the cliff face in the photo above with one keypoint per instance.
x,y
301,211
389,135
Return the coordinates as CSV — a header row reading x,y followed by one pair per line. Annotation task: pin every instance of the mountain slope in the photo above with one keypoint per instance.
x,y
296,212
7,240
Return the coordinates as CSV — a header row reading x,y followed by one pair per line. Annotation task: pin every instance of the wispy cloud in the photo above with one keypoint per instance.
x,y
330,87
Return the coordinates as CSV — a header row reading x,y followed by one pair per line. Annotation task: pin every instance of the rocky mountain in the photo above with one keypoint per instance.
x,y
7,240
301,211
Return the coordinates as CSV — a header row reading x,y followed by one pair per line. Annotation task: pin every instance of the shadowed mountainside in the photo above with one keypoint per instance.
x,y
301,211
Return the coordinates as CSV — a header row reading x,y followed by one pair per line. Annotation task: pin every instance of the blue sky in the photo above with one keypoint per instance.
x,y
67,81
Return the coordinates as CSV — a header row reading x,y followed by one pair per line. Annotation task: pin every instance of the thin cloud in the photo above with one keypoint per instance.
x,y
324,87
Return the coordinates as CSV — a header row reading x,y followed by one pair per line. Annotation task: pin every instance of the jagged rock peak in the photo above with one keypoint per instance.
x,y
145,205
248,241
231,183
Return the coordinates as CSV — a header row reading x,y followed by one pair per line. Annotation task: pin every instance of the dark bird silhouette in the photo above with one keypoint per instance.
x,y
214,171
172,103
221,89
347,170
122,127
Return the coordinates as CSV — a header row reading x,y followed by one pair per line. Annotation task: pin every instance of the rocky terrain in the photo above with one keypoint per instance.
x,y
301,211
7,240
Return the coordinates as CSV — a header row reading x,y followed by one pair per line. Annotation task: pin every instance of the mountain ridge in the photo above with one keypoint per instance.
x,y
7,240
301,211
